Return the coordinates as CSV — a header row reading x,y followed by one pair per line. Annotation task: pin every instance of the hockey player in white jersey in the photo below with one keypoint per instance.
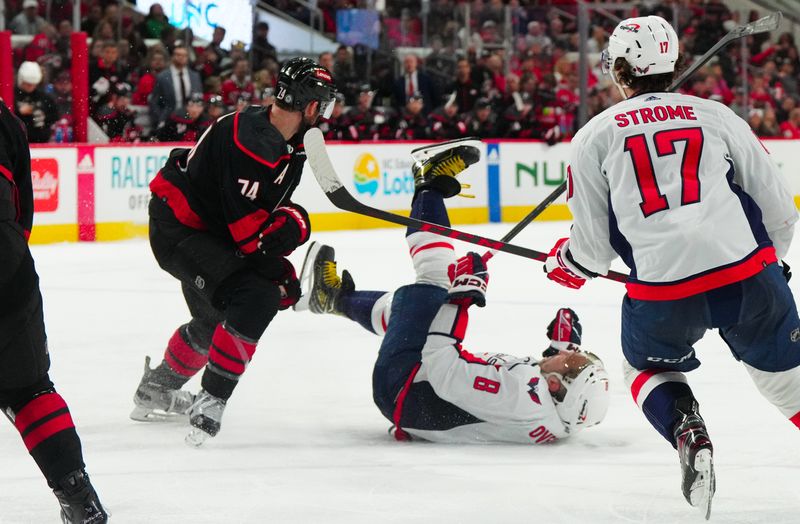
x,y
424,382
687,196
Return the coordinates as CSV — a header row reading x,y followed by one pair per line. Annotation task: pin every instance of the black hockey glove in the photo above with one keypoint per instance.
x,y
289,286
787,271
468,280
287,228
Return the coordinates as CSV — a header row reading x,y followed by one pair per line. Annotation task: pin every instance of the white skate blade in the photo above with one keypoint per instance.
x,y
705,484
306,277
196,438
423,153
141,414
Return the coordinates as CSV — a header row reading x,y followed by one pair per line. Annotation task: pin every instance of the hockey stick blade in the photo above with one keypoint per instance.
x,y
762,25
329,181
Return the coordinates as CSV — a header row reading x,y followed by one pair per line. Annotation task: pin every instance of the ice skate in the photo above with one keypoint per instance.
x,y
205,416
320,282
79,501
440,171
696,455
157,401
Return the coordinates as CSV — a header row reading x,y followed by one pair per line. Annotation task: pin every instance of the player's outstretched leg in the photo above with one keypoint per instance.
x,y
43,420
252,301
324,291
696,455
230,354
439,171
159,395
431,254
665,398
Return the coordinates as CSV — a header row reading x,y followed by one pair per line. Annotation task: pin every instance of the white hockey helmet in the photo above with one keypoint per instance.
x,y
648,43
585,402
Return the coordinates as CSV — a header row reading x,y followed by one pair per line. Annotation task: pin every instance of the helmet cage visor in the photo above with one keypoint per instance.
x,y
326,107
606,62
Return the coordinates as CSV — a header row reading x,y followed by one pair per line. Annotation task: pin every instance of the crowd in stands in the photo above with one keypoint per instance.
x,y
151,81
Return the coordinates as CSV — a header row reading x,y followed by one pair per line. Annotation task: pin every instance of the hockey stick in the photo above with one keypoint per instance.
x,y
762,25
328,180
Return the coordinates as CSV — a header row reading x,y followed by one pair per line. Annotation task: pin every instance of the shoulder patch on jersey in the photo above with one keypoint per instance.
x,y
533,384
257,138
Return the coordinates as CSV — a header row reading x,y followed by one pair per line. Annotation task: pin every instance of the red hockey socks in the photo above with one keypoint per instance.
x,y
228,358
48,432
181,358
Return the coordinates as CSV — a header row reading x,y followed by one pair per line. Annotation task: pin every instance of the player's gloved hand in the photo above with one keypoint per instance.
x,y
287,228
560,270
468,280
564,332
787,271
289,286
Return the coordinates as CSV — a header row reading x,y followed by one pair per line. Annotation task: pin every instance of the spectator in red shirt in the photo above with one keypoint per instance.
x,y
156,62
238,83
791,128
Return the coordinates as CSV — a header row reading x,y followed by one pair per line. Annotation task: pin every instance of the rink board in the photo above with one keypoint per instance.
x,y
100,192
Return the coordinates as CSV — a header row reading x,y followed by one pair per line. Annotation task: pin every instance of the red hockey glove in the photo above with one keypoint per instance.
x,y
560,270
287,228
564,331
468,277
289,286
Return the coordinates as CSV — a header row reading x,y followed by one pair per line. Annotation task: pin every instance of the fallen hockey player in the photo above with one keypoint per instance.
x,y
423,381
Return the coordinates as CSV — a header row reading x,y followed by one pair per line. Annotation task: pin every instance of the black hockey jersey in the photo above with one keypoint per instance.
x,y
16,189
229,183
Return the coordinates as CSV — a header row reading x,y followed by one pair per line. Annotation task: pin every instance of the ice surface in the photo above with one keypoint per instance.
x,y
301,440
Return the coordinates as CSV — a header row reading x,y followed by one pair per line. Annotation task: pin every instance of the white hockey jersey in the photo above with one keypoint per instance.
x,y
500,398
680,189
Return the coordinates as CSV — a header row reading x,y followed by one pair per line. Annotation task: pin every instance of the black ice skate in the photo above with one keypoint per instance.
x,y
696,455
322,287
205,416
79,502
159,396
440,170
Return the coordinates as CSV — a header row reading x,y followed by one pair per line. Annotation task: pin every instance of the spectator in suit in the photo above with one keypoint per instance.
x,y
173,87
414,81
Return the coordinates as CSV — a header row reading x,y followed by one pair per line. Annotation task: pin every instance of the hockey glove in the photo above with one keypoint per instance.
x,y
560,270
289,286
468,277
564,332
287,228
787,271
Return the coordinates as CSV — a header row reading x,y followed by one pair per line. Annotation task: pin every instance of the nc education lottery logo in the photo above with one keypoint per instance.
x,y
366,174
389,176
44,176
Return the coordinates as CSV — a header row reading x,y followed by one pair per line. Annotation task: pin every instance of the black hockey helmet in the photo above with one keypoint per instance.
x,y
301,81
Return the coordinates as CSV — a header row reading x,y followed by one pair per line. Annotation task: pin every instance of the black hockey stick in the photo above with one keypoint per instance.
x,y
762,25
328,180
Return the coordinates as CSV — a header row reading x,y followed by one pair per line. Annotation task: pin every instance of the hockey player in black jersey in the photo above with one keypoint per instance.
x,y
27,396
222,222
